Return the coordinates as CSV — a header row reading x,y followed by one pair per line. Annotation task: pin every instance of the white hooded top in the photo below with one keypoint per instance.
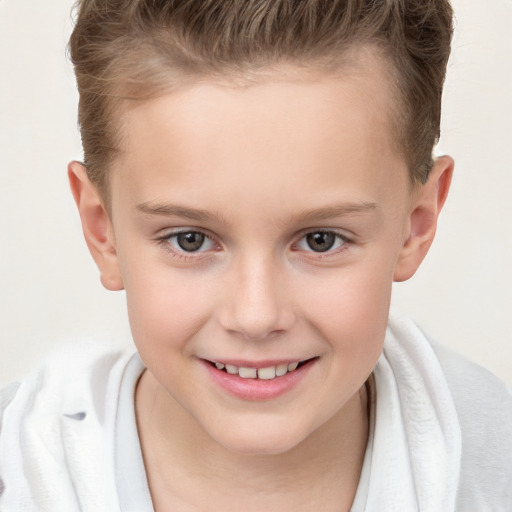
x,y
440,437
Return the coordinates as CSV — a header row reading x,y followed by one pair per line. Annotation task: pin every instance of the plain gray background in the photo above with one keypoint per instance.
x,y
49,286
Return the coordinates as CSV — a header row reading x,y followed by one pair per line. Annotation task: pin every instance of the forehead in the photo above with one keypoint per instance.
x,y
291,128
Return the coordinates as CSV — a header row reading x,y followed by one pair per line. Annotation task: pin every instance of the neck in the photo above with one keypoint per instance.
x,y
186,466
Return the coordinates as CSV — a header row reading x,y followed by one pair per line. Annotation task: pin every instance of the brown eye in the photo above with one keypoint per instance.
x,y
321,241
190,241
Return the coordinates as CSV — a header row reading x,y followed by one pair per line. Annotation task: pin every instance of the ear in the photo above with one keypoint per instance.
x,y
425,208
96,226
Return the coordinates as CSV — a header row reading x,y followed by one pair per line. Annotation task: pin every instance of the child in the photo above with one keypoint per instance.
x,y
256,176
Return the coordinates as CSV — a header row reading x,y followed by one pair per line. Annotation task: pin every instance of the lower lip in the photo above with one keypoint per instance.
x,y
258,389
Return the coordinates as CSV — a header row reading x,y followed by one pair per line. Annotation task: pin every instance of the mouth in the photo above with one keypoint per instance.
x,y
269,372
258,381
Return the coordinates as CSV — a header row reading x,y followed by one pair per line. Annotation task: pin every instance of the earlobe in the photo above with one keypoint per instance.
x,y
96,226
426,207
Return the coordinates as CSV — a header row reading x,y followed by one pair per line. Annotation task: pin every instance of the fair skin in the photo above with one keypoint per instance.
x,y
300,214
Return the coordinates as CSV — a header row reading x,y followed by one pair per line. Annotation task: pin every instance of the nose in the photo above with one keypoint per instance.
x,y
256,304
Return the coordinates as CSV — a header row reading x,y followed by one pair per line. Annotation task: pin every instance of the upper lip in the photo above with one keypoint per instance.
x,y
240,363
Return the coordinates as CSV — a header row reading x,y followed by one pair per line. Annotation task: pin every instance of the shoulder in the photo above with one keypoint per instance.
x,y
61,417
483,402
484,409
76,369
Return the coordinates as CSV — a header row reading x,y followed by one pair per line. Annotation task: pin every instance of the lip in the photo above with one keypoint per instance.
x,y
257,389
256,364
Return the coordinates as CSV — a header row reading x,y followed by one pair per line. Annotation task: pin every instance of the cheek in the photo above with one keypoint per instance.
x,y
165,307
350,309
349,292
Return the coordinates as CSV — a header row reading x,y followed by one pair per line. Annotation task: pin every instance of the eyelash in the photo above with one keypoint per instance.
x,y
183,255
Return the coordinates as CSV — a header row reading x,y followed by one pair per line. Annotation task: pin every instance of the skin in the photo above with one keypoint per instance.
x,y
268,164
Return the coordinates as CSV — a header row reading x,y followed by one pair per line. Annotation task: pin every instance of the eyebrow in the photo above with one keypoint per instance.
x,y
329,212
314,215
173,210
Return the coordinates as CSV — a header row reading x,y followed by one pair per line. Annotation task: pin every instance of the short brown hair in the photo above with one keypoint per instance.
x,y
124,49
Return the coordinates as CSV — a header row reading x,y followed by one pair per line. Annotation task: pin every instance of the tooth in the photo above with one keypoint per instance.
x,y
292,366
233,370
267,373
247,373
219,366
281,369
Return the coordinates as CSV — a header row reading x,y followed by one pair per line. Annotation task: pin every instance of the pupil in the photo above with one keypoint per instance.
x,y
190,241
321,242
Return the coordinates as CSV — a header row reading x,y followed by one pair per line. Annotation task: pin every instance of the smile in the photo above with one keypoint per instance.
x,y
267,373
249,381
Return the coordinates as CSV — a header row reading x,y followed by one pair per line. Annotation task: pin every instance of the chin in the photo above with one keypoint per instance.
x,y
260,448
260,441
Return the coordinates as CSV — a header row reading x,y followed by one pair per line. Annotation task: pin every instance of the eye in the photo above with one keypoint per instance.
x,y
321,241
190,241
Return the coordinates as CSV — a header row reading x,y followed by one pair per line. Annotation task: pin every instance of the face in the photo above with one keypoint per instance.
x,y
256,228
